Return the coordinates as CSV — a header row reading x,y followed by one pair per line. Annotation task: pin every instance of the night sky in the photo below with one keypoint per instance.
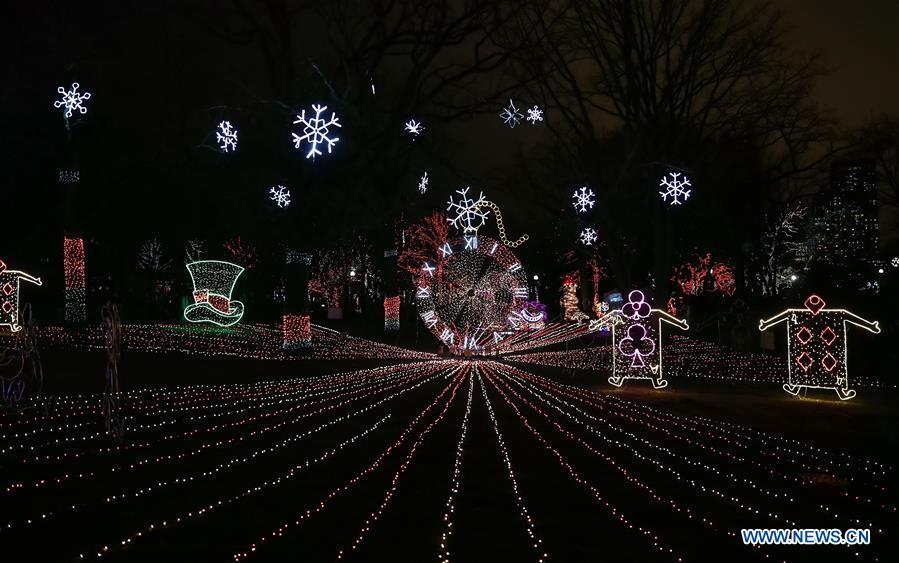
x,y
161,79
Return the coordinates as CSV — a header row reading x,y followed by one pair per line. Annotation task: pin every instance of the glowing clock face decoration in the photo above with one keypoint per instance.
x,y
471,294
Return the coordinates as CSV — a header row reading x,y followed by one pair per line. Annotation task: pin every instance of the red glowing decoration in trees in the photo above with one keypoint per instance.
x,y
418,242
243,254
693,278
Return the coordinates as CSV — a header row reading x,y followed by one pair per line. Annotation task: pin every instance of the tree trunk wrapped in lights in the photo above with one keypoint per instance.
x,y
570,302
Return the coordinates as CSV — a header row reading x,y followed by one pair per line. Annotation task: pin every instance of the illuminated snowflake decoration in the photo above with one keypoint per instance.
x,y
468,213
423,184
535,114
226,137
675,188
511,116
414,128
280,195
895,261
583,199
72,100
588,236
316,130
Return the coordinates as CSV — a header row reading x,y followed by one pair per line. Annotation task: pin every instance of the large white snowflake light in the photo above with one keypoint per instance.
x,y
510,114
588,236
280,195
423,183
226,136
468,213
72,100
414,128
675,188
316,131
535,114
583,199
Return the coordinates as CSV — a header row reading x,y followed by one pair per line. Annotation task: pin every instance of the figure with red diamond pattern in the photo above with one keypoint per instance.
x,y
9,295
816,346
637,340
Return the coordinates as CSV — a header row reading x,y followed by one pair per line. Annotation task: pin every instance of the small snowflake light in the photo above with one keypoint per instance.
x,y
414,128
511,116
423,183
316,130
72,100
468,213
280,195
535,114
895,261
588,236
226,136
583,199
675,188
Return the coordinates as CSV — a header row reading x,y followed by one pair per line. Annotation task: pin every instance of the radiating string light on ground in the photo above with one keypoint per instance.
x,y
530,527
315,508
708,477
455,480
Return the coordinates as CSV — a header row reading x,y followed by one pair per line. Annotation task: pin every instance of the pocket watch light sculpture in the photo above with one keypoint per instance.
x,y
637,340
816,346
213,282
472,293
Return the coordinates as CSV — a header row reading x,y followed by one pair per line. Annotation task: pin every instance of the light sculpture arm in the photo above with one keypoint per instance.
x,y
870,326
671,319
765,324
609,319
28,278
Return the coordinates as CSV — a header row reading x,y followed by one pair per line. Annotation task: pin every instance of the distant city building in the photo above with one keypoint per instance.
x,y
843,229
852,212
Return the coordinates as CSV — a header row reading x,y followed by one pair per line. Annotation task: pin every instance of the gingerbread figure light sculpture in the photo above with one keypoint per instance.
x,y
637,340
816,346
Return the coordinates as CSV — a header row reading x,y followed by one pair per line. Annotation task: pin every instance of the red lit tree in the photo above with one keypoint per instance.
x,y
702,275
419,243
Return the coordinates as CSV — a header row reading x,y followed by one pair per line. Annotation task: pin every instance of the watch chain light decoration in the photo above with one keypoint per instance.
x,y
816,346
9,295
470,215
213,282
637,340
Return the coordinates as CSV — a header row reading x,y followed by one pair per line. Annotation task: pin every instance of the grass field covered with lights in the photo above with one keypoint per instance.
x,y
371,458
